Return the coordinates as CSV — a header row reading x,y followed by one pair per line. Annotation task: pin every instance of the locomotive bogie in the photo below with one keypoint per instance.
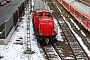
x,y
46,39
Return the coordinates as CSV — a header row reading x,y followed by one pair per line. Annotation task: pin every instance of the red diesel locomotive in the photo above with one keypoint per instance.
x,y
80,11
43,23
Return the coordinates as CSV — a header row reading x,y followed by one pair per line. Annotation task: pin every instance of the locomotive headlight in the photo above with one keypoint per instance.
x,y
52,33
41,33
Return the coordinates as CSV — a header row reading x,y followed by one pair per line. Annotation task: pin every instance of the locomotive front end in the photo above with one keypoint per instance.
x,y
46,27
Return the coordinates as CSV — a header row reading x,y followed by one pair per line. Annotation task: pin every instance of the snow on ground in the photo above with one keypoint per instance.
x,y
13,51
57,30
0,32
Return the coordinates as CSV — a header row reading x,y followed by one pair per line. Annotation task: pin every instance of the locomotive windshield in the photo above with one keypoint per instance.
x,y
47,14
39,14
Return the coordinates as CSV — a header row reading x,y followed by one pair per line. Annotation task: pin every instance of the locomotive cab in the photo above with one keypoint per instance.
x,y
46,25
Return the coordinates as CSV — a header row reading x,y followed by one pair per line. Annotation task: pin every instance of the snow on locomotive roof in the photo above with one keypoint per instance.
x,y
70,1
39,6
82,7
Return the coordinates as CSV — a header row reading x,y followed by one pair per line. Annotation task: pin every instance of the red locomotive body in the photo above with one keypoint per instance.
x,y
46,24
79,11
43,23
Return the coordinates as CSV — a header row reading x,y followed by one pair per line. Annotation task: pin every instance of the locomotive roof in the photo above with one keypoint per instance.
x,y
39,6
82,7
42,10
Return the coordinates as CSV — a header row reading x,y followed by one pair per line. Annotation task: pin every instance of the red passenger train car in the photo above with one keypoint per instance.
x,y
80,11
43,23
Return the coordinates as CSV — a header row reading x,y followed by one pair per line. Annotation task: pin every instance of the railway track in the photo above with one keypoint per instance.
x,y
50,52
55,52
77,50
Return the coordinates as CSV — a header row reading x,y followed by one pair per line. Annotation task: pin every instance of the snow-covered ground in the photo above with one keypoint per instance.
x,y
13,51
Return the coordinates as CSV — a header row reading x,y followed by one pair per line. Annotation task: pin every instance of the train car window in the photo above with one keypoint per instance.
x,y
89,22
77,13
81,16
72,9
84,18
65,4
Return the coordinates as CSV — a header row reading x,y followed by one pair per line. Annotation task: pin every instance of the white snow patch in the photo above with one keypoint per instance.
x,y
16,52
0,32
